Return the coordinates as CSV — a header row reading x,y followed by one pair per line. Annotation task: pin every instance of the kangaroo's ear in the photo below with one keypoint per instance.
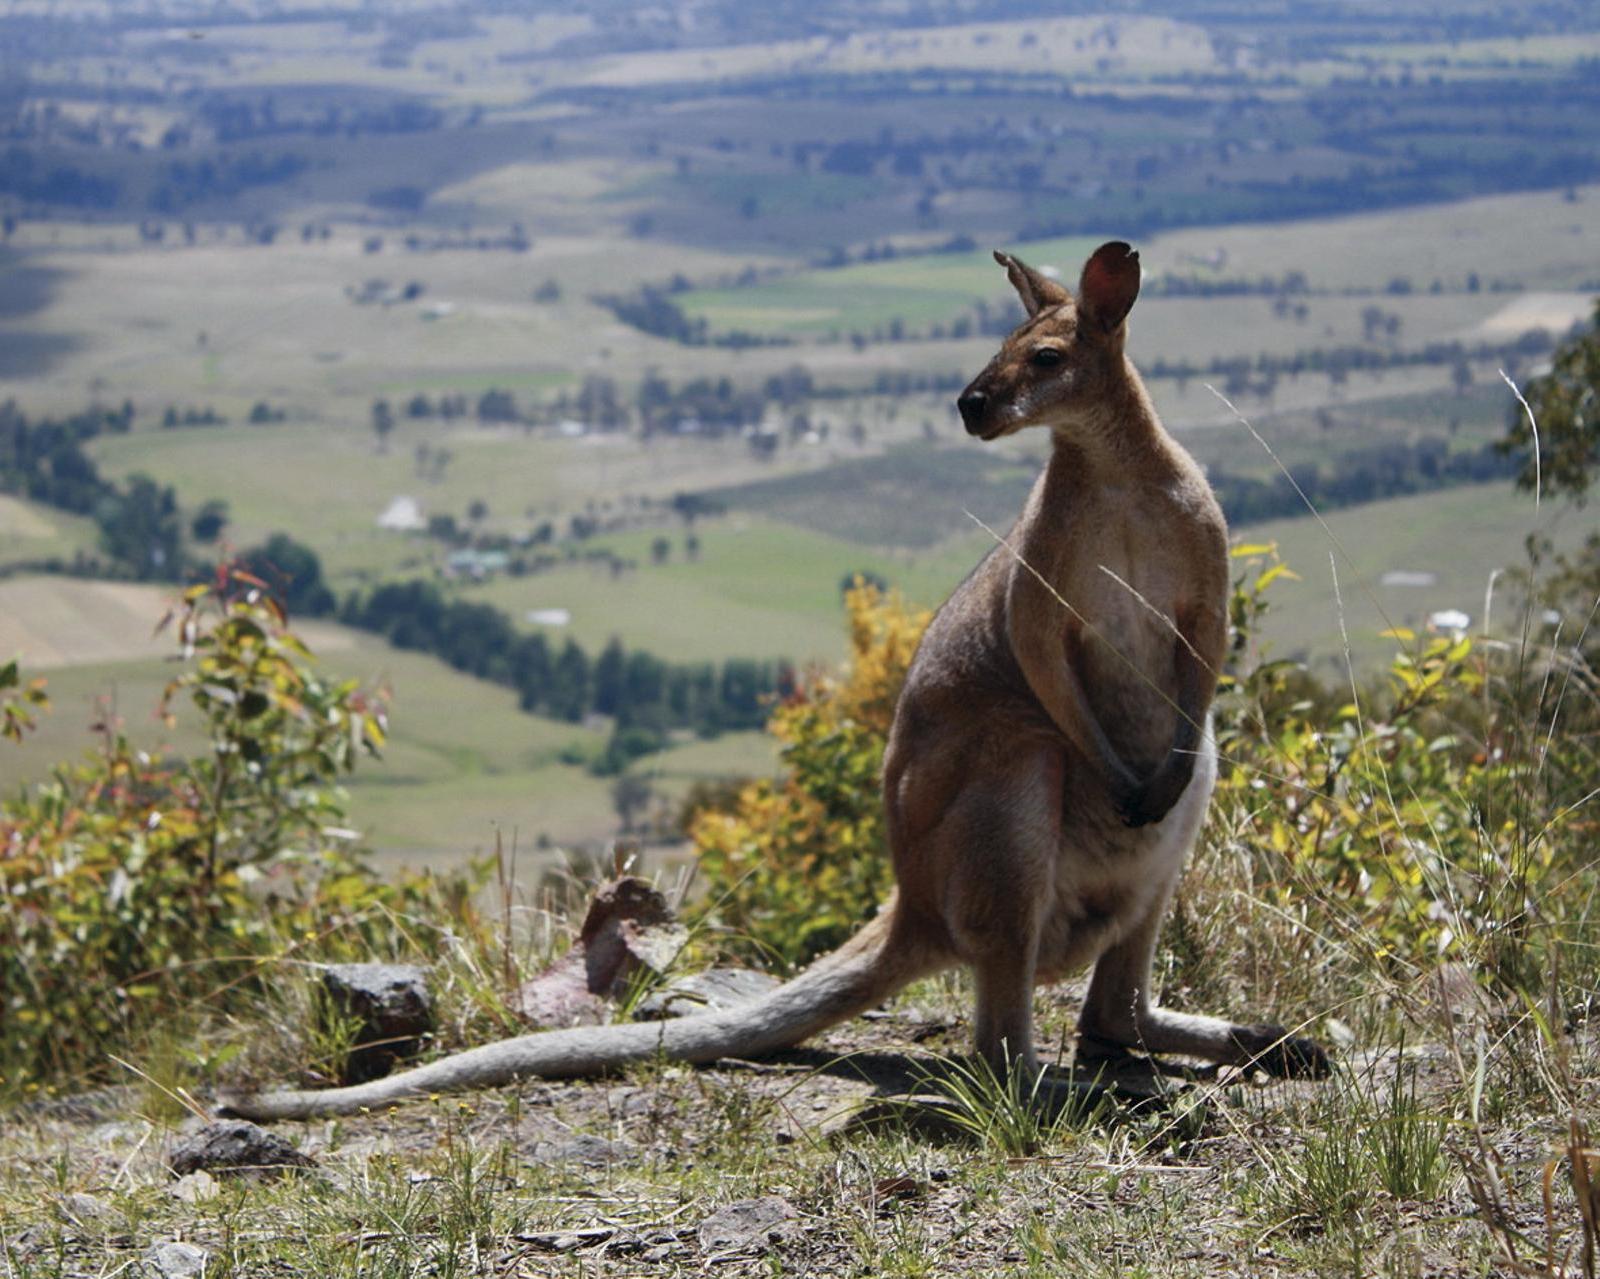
x,y
1036,289
1110,284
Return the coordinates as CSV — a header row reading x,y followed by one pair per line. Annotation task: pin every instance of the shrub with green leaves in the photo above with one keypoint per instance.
x,y
19,703
795,866
133,887
1421,819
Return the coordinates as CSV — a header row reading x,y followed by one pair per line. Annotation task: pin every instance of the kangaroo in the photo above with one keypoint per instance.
x,y
1050,760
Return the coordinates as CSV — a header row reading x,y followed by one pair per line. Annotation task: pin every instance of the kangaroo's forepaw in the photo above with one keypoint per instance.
x,y
1274,1050
1141,808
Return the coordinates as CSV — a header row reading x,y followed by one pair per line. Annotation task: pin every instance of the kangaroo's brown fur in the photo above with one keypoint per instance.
x,y
1050,761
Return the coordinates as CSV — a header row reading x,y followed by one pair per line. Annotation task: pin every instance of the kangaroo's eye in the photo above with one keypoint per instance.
x,y
1046,357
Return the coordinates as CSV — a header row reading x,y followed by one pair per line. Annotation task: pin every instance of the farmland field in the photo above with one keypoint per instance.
x,y
30,532
755,587
461,764
697,299
1461,538
1552,249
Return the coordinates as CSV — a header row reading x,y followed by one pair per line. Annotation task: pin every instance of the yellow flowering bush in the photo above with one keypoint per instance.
x,y
795,865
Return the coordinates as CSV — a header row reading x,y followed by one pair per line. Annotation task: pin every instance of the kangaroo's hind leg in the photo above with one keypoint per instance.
x,y
997,851
1118,1011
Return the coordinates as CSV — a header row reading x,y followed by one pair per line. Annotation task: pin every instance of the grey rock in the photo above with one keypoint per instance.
x,y
174,1260
391,1002
750,1226
194,1187
85,1209
585,1150
715,990
235,1147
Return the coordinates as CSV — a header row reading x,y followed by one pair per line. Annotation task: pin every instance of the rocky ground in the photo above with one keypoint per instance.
x,y
866,1154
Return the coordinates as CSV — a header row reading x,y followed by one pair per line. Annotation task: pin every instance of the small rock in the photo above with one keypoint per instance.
x,y
235,1147
585,1150
714,990
395,1010
194,1187
175,1260
85,1210
27,1241
750,1225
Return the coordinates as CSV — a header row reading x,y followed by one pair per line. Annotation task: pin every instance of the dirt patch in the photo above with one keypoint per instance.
x,y
54,622
18,520
1553,312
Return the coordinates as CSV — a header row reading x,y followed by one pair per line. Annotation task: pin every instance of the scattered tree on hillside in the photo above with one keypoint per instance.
x,y
630,796
142,529
382,423
209,521
293,572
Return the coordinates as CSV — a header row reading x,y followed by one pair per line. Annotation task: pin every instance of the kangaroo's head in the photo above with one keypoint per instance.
x,y
1065,358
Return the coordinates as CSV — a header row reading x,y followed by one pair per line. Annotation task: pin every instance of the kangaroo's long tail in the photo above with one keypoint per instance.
x,y
866,970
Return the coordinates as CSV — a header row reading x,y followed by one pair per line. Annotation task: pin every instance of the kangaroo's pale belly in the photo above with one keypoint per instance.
x,y
1110,877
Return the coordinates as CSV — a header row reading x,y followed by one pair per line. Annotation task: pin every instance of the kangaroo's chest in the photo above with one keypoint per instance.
x,y
1121,582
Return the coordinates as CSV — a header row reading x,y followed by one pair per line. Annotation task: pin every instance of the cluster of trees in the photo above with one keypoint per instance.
x,y
1361,475
175,417
713,406
232,118
702,405
141,527
514,239
31,176
1241,373
45,461
262,413
652,311
183,183
646,696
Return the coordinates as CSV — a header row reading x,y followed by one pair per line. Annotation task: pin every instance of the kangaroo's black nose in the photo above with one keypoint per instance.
x,y
972,405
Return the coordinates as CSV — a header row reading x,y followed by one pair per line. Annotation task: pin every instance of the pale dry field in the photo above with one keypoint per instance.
x,y
52,622
1111,47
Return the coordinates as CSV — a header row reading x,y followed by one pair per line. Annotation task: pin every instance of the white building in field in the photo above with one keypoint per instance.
x,y
403,515
1449,621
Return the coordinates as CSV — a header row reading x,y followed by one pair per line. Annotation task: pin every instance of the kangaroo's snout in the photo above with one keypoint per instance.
x,y
972,405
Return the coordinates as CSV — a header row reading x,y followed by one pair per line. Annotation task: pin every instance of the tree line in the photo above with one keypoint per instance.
x,y
1359,476
140,524
646,697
